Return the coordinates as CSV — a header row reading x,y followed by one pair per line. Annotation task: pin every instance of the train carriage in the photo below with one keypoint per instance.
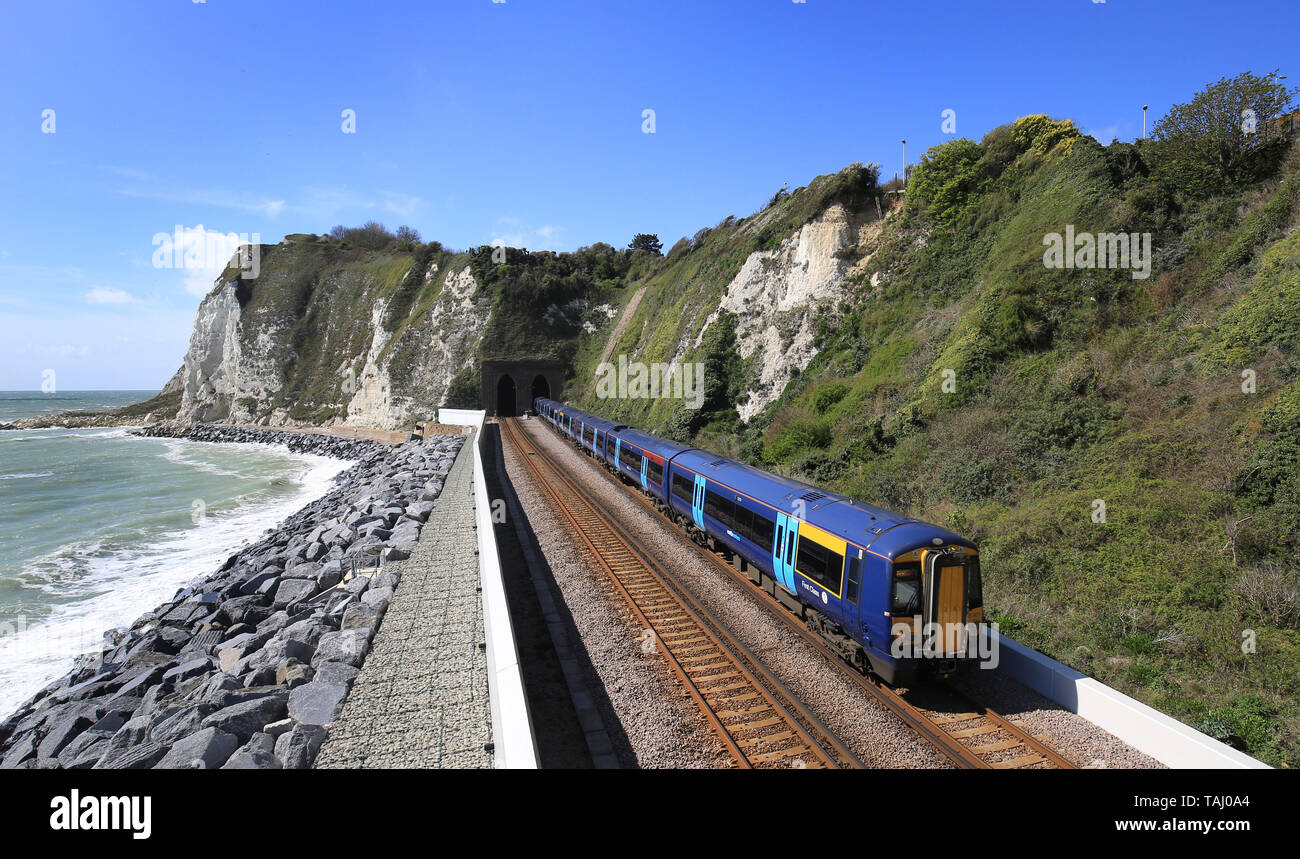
x,y
891,592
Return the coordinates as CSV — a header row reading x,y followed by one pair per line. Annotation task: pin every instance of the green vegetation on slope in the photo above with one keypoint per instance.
x,y
1137,501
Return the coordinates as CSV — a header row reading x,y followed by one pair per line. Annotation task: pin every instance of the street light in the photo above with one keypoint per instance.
x,y
904,162
1144,121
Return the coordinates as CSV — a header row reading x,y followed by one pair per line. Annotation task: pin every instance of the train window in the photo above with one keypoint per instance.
x,y
744,522
764,529
974,587
683,488
820,564
655,472
907,589
855,578
719,508
631,457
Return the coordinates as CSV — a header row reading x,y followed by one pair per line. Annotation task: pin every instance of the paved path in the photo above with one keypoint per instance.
x,y
421,699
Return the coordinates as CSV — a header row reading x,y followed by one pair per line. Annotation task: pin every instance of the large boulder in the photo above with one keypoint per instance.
x,y
247,718
63,732
208,749
317,703
347,645
297,748
293,591
257,754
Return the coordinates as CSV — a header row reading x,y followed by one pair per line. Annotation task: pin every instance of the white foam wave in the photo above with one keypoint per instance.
x,y
101,590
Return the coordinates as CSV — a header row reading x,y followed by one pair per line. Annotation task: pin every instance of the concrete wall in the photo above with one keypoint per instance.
x,y
514,746
1166,739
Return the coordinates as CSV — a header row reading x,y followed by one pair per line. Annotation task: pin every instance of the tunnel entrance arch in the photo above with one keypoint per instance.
x,y
506,397
541,388
508,388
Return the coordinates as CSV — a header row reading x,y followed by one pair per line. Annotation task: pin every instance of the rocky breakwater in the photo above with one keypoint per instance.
x,y
247,668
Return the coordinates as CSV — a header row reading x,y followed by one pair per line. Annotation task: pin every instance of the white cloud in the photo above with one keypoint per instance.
x,y
109,295
543,238
211,197
312,201
509,240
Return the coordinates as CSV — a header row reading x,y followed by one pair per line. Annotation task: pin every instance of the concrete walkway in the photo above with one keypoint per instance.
x,y
421,699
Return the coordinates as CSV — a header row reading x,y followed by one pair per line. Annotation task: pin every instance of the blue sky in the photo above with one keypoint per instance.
x,y
518,121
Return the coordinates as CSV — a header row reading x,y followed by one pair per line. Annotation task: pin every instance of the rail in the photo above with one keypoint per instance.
x,y
760,722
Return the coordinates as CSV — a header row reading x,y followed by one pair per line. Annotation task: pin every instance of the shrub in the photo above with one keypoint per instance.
x,y
828,395
1040,134
797,432
945,181
371,235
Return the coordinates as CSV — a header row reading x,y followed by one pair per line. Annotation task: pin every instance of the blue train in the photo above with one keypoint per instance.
x,y
894,595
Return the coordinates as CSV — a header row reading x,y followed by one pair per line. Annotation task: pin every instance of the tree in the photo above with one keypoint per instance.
x,y
408,234
647,242
1215,142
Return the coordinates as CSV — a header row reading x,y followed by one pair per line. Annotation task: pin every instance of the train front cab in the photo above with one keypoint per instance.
x,y
936,609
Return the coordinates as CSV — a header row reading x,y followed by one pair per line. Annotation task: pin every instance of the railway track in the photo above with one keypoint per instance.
x,y
759,720
967,733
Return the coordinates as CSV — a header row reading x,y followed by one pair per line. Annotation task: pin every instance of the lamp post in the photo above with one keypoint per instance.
x,y
904,162
1144,121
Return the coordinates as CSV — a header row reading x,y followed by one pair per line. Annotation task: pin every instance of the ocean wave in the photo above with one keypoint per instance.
x,y
114,432
94,585
24,476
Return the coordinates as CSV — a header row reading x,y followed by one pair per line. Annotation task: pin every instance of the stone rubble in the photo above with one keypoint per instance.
x,y
247,668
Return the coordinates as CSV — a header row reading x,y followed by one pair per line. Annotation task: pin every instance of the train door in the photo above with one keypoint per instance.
x,y
852,600
595,440
784,544
944,594
645,464
697,502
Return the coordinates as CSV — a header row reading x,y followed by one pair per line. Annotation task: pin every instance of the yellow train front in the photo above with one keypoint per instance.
x,y
936,608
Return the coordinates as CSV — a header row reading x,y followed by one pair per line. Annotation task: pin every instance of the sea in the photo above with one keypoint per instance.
x,y
98,526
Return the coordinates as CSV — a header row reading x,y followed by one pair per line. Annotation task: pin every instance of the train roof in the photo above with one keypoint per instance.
x,y
661,446
886,532
579,415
